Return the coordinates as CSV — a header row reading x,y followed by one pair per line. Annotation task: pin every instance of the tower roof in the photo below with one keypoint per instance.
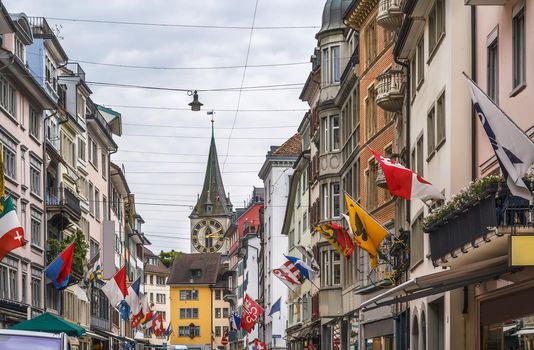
x,y
213,195
333,15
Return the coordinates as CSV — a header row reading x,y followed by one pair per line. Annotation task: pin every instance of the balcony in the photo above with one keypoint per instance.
x,y
76,70
390,14
65,203
100,323
479,230
390,90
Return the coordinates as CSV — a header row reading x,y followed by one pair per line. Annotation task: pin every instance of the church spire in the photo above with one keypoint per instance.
x,y
213,200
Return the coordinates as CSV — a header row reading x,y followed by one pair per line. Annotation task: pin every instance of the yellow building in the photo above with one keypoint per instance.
x,y
199,315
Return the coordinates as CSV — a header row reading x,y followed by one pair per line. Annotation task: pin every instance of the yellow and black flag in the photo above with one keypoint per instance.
x,y
368,233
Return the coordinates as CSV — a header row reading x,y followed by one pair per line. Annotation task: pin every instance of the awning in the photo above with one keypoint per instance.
x,y
439,282
96,336
48,322
524,332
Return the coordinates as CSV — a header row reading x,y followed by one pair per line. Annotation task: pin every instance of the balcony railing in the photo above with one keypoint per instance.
x,y
62,198
389,14
473,223
390,90
99,119
40,28
100,323
76,70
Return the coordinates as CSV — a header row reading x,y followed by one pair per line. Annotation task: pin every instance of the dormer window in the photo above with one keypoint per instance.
x,y
20,49
196,273
209,208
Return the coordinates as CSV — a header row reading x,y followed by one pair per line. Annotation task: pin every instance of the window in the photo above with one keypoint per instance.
x,y
413,76
91,199
217,295
104,208
305,221
370,43
218,313
436,25
334,126
160,298
416,241
80,106
23,288
336,199
50,70
326,201
35,123
103,163
420,169
440,119
518,45
36,224
9,286
81,149
8,97
330,268
356,174
431,130
35,176
19,49
372,189
97,204
217,331
420,60
493,69
94,248
93,153
189,294
36,286
325,63
9,153
336,64
226,313
371,118
67,149
160,280
189,331
436,324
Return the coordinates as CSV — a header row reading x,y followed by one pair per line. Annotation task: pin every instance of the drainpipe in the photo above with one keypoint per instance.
x,y
474,77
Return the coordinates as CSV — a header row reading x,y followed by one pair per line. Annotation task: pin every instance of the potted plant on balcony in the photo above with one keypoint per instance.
x,y
465,199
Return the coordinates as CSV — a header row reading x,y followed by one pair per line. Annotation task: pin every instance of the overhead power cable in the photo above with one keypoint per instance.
x,y
190,154
176,25
287,86
215,109
120,65
203,137
260,127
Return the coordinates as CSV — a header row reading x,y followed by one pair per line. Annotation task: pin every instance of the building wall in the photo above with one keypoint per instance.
x,y
204,305
154,289
222,322
488,18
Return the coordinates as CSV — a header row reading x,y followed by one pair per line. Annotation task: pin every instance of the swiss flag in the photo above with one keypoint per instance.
x,y
259,344
157,325
405,183
251,313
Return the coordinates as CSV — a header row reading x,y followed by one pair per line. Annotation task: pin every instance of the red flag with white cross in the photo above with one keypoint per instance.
x,y
251,313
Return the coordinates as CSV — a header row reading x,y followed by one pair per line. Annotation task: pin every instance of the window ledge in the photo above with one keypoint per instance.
x,y
36,196
435,48
13,181
34,138
415,265
518,89
419,84
431,155
440,144
11,117
36,249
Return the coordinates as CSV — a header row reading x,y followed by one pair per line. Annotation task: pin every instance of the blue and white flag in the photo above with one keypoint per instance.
x,y
235,322
513,148
134,296
305,270
168,331
124,310
276,307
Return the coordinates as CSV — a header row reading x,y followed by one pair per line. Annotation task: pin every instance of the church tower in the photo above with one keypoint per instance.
x,y
212,213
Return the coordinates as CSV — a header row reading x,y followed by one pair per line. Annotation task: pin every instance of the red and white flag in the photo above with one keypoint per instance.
x,y
405,183
116,289
157,325
251,313
290,275
11,232
259,344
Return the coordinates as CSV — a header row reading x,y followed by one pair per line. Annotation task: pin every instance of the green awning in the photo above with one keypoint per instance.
x,y
51,323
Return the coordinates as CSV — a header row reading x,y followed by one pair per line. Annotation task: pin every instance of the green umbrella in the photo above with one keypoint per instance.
x,y
51,323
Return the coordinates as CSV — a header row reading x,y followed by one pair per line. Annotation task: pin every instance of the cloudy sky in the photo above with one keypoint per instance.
x,y
164,148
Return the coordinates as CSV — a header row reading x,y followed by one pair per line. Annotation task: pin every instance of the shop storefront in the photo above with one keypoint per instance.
x,y
378,335
506,318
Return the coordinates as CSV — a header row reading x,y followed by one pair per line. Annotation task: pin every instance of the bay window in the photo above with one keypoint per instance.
x,y
330,131
330,267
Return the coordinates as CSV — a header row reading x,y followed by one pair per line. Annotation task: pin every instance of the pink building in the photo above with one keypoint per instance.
x,y
504,45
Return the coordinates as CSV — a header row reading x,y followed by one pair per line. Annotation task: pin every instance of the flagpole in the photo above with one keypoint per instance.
x,y
371,215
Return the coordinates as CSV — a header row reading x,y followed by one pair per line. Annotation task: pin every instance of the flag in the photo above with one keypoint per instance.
x,y
168,331
116,289
307,255
157,325
134,296
368,233
124,310
235,322
146,320
11,233
405,183
513,148
251,313
338,237
276,307
59,269
259,345
305,270
137,318
95,275
224,339
290,275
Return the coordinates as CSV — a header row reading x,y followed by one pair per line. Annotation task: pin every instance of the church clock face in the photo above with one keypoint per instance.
x,y
207,236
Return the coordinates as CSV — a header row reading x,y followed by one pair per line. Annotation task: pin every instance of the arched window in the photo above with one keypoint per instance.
x,y
423,330
415,333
